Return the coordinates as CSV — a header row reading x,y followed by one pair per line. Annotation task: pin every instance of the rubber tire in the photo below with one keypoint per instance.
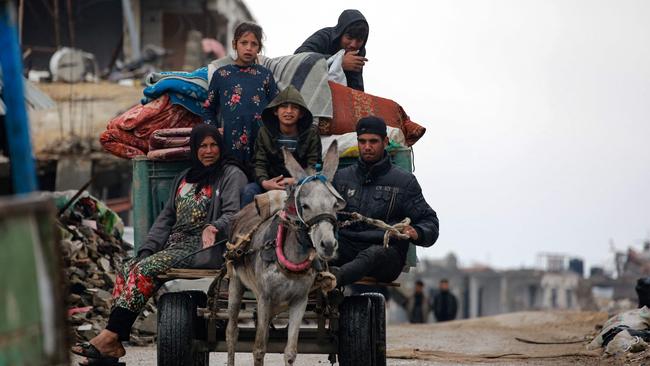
x,y
378,327
176,331
200,299
355,328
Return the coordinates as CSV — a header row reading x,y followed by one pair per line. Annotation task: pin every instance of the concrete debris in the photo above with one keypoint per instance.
x,y
92,253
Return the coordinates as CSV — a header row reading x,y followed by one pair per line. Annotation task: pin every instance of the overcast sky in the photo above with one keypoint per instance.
x,y
537,116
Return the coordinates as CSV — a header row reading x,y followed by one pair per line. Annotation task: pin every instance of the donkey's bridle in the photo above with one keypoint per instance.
x,y
301,227
296,202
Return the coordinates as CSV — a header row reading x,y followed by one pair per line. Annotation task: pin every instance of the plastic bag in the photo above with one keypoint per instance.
x,y
625,342
635,319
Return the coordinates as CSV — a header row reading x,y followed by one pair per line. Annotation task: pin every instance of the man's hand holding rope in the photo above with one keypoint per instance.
x,y
401,230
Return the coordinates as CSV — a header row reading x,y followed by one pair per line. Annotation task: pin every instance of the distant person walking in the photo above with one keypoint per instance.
x,y
418,306
445,305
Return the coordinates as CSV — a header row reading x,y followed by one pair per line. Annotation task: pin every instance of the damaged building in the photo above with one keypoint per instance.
x,y
483,291
90,58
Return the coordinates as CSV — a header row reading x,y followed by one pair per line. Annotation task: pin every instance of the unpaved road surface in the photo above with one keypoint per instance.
x,y
482,341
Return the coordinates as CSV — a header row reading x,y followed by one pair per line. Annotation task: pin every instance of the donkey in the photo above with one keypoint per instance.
x,y
309,223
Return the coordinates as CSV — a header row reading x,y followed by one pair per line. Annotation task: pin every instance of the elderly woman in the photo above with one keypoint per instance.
x,y
204,199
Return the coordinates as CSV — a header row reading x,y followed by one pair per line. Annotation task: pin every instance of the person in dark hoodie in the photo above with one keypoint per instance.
x,y
200,208
350,34
287,123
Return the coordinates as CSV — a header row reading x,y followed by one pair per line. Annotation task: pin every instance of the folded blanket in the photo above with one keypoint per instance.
x,y
173,153
113,142
350,105
172,117
169,137
139,114
306,71
188,89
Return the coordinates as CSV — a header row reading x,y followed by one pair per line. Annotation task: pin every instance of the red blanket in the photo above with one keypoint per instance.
x,y
169,137
173,153
350,105
128,134
114,141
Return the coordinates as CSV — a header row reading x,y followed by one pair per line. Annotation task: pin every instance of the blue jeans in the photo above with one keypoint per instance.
x,y
248,193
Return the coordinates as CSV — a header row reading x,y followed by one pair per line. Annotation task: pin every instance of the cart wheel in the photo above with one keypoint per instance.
x,y
378,327
355,329
177,330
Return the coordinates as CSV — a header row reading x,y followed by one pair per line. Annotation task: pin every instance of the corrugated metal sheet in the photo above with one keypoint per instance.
x,y
35,98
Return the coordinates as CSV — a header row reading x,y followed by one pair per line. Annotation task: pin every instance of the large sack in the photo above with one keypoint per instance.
x,y
634,319
350,105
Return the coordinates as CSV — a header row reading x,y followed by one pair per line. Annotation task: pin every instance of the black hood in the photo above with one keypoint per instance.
x,y
346,18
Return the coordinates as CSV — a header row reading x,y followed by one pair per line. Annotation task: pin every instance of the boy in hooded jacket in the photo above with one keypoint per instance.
x,y
351,34
287,122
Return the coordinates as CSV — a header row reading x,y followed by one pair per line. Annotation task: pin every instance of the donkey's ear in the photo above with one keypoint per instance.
x,y
292,165
331,161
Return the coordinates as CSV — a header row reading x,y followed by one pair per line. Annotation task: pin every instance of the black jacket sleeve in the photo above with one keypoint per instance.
x,y
354,79
318,42
423,217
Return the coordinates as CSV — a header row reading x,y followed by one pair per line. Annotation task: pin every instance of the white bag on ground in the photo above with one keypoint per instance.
x,y
635,319
625,342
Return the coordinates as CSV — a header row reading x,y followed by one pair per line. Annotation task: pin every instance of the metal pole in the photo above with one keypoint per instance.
x,y
57,25
23,172
130,25
21,16
71,24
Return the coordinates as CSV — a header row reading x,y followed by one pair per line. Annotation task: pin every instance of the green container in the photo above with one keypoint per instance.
x,y
152,180
32,314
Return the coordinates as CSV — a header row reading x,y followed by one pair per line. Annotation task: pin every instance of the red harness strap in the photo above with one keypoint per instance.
x,y
279,251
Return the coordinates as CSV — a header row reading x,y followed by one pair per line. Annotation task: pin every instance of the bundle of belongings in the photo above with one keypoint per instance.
x,y
625,332
128,135
176,100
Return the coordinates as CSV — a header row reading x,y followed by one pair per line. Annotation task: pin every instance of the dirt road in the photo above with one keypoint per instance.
x,y
482,341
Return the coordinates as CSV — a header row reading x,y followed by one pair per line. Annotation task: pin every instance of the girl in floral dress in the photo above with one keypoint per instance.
x,y
204,199
238,94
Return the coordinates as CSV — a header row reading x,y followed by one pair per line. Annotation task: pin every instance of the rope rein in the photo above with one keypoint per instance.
x,y
391,230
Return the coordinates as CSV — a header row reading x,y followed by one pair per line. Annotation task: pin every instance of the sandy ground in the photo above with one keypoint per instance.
x,y
482,341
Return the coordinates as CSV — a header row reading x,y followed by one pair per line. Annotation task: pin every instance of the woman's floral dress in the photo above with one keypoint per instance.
x,y
236,98
136,281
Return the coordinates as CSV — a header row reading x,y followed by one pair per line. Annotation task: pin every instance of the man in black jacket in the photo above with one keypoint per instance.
x,y
350,34
445,305
375,188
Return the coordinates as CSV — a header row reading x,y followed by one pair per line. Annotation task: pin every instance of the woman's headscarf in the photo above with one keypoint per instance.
x,y
200,174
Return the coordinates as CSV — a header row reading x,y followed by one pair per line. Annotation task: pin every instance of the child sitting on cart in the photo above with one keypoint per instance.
x,y
288,124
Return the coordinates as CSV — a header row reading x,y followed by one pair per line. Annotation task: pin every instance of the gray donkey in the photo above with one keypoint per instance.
x,y
308,220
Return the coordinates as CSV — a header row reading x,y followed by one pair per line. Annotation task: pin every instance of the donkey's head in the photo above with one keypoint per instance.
x,y
316,201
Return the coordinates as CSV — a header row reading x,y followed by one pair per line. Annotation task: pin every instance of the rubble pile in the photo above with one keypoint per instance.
x,y
92,247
